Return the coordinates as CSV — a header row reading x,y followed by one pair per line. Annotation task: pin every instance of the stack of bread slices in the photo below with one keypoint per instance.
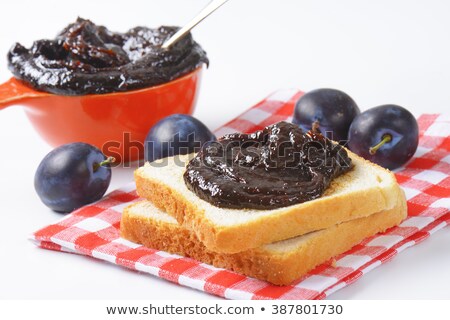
x,y
276,245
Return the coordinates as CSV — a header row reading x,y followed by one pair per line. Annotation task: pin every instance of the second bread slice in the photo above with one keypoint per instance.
x,y
279,263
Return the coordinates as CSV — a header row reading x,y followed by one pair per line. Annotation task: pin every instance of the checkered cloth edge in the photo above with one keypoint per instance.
x,y
94,229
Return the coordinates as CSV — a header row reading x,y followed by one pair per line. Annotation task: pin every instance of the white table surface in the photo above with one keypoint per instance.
x,y
377,51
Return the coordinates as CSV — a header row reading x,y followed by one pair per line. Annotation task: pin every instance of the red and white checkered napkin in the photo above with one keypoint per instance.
x,y
94,230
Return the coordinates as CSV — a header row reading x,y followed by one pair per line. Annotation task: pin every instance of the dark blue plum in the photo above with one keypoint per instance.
x,y
333,109
387,135
71,176
176,134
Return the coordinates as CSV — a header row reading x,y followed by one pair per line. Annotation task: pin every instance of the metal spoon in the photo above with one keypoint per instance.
x,y
210,8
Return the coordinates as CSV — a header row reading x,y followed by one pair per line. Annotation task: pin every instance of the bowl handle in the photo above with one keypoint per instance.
x,y
14,91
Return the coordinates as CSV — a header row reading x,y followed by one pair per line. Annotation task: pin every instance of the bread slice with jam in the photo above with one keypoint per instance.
x,y
361,192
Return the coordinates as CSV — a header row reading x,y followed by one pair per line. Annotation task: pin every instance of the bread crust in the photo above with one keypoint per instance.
x,y
264,263
290,222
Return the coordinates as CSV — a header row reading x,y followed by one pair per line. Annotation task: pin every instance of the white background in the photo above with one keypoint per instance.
x,y
377,51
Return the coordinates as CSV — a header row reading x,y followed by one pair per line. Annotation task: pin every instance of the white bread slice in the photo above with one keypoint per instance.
x,y
279,263
366,189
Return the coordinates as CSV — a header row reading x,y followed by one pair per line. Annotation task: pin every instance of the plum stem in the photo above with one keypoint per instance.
x,y
385,139
315,126
108,160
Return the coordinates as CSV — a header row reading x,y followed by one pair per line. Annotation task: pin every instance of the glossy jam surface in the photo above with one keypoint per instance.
x,y
86,58
272,168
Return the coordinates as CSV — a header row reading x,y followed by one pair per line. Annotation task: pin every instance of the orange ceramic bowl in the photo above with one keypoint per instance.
x,y
117,123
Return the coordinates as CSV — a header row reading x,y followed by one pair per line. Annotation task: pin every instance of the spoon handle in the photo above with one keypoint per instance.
x,y
210,8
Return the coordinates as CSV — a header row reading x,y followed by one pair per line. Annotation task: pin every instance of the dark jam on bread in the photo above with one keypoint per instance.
x,y
88,59
276,167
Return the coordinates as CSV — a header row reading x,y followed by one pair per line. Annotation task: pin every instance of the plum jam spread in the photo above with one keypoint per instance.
x,y
88,59
272,168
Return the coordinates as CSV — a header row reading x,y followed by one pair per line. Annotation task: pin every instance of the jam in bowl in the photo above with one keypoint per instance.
x,y
104,88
